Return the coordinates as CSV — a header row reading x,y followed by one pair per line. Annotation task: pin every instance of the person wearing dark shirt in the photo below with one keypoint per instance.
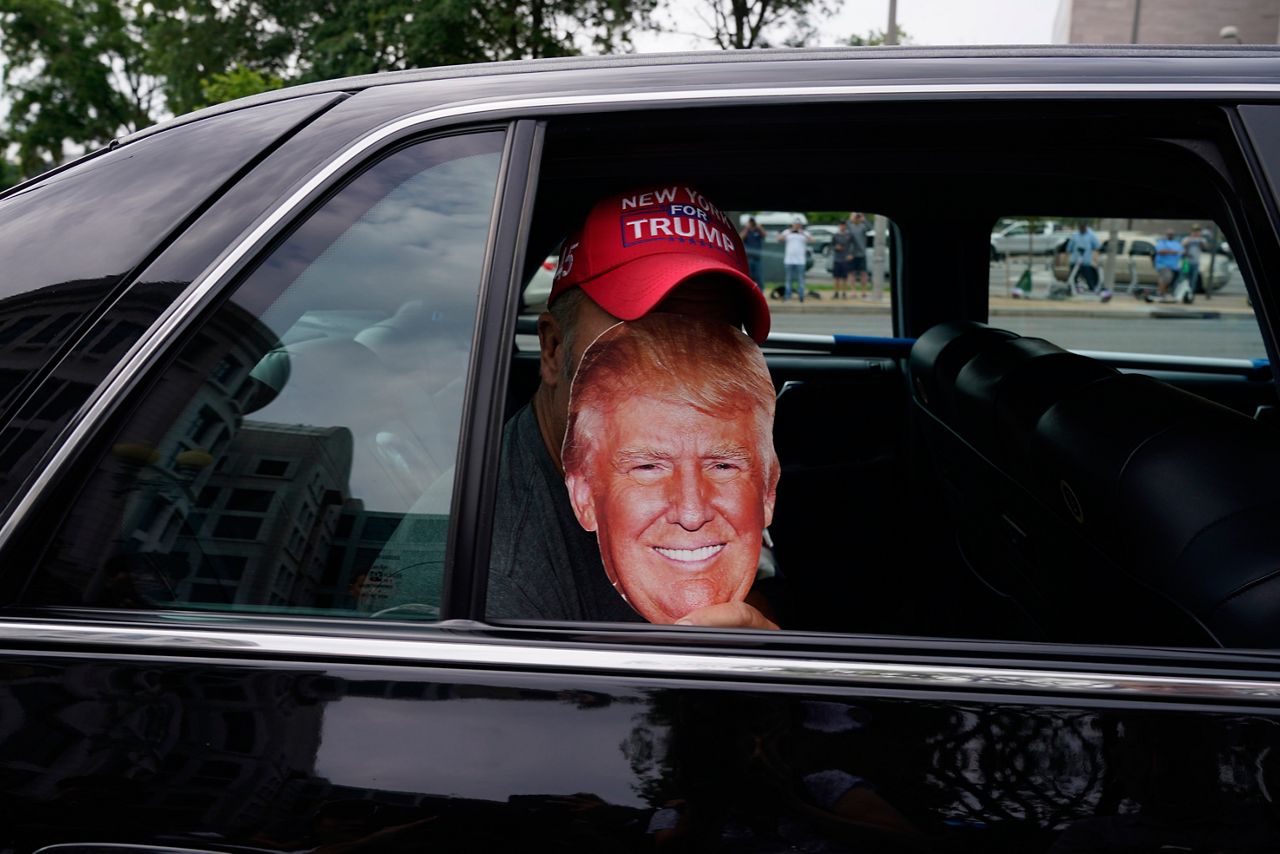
x,y
753,235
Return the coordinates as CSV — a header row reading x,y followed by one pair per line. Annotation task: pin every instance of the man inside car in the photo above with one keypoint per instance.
x,y
669,458
662,248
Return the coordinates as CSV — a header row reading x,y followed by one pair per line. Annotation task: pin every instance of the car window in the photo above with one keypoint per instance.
x,y
1190,300
298,452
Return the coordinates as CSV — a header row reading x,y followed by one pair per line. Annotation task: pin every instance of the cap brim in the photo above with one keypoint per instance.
x,y
631,290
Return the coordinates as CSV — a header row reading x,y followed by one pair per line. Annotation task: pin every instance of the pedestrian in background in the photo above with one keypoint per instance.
x,y
1193,246
841,255
858,228
753,236
1082,256
1168,265
795,253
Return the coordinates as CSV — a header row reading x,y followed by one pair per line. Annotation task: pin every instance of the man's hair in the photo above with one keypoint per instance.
x,y
706,364
565,312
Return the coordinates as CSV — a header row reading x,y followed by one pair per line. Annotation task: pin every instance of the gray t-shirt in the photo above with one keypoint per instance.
x,y
858,236
543,565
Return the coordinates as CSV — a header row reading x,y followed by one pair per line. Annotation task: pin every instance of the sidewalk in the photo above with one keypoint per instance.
x,y
1121,305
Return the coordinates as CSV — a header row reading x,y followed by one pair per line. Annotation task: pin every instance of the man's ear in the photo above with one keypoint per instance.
x,y
551,349
771,491
580,497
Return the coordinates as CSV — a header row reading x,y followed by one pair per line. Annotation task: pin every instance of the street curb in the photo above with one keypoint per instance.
x,y
1110,310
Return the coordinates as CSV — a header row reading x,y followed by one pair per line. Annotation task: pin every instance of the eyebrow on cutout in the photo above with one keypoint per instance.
x,y
641,455
729,451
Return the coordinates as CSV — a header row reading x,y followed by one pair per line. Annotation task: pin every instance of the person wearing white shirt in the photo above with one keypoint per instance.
x,y
795,241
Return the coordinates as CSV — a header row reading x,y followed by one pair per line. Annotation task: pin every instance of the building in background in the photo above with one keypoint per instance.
x,y
1166,21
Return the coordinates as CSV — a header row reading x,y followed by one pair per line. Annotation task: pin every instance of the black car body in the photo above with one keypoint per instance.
x,y
256,367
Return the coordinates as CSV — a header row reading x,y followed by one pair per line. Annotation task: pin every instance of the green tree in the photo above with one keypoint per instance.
x,y
239,82
8,171
876,37
740,24
189,44
75,77
81,72
338,38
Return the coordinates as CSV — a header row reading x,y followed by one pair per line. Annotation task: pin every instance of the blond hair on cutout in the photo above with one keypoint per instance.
x,y
706,364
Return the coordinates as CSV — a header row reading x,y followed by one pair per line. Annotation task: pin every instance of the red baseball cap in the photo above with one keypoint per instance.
x,y
635,248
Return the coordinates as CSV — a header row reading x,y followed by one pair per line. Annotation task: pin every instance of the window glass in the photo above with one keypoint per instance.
x,y
1170,287
298,454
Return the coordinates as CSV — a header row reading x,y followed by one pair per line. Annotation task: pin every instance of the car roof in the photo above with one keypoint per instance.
x,y
1171,70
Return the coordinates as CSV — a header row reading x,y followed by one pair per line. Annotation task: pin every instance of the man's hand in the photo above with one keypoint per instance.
x,y
728,615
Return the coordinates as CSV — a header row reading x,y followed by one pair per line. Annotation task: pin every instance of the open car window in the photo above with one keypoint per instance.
x,y
878,527
1171,286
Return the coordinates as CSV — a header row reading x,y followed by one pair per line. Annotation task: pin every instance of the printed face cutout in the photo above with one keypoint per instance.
x,y
669,459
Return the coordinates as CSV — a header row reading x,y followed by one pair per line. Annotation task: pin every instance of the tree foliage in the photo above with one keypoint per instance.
x,y
877,37
740,24
75,76
239,82
344,37
8,171
81,72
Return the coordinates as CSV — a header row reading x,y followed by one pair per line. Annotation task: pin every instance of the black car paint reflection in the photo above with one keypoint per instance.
x,y
300,758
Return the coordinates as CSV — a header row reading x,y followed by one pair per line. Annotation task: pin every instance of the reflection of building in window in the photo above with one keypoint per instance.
x,y
31,324
278,530
143,499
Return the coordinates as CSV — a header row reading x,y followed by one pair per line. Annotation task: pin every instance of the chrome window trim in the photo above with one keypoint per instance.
x,y
158,336
1172,362
335,649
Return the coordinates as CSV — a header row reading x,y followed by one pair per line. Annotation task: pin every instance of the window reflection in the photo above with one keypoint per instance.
x,y
299,452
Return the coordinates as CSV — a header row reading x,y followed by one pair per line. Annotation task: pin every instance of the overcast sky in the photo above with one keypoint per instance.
x,y
927,22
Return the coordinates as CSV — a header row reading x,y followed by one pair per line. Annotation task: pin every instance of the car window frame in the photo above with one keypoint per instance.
x,y
484,448
730,639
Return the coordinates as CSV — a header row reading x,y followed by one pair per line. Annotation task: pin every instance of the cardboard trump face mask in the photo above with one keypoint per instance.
x,y
669,459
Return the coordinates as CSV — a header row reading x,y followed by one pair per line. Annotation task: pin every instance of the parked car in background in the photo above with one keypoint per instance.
x,y
1135,261
822,235
1022,237
773,220
256,365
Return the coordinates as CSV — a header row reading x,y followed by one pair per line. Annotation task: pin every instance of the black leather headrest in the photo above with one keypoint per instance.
x,y
1175,489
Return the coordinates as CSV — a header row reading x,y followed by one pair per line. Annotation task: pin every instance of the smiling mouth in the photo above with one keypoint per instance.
x,y
690,555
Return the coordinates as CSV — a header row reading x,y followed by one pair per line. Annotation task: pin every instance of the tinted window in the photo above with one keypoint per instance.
x,y
298,452
67,242
121,203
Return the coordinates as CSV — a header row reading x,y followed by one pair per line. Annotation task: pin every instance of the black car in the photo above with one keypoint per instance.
x,y
256,364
